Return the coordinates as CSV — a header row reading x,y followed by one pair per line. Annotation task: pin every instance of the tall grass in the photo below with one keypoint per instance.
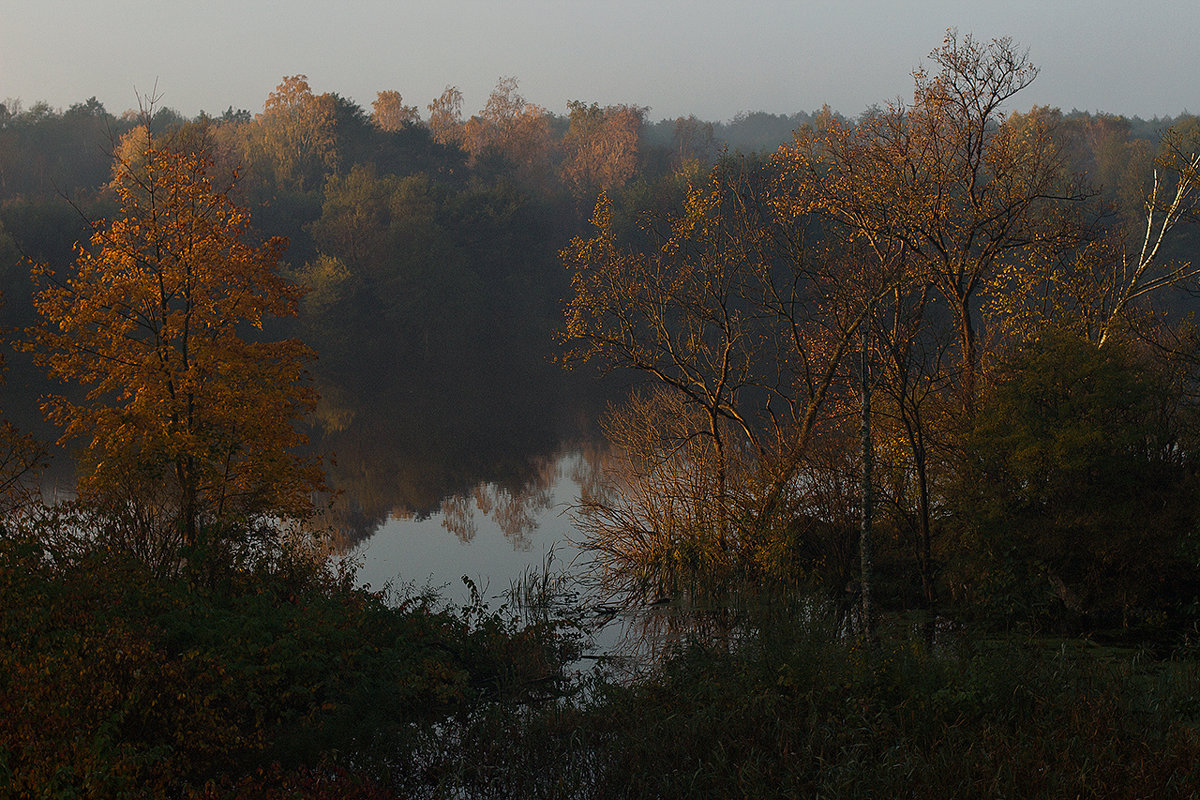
x,y
797,710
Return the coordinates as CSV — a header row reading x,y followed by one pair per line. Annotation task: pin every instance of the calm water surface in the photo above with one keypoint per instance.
x,y
492,535
495,537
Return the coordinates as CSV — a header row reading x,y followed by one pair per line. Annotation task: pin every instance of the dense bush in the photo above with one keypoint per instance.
x,y
1076,500
823,719
286,681
115,684
794,711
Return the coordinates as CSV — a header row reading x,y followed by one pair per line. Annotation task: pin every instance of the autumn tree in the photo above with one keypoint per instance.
x,y
187,421
294,140
746,325
964,193
672,312
963,196
513,129
600,148
388,112
445,117
214,141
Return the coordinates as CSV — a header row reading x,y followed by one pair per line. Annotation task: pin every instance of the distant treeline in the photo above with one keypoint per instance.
x,y
53,151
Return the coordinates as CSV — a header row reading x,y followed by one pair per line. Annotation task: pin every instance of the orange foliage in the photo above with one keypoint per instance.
x,y
601,146
445,117
388,112
517,130
182,413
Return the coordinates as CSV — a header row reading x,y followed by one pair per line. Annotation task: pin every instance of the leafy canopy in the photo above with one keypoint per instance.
x,y
182,412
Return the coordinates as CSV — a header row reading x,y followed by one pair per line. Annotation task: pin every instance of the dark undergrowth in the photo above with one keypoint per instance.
x,y
280,679
286,681
795,710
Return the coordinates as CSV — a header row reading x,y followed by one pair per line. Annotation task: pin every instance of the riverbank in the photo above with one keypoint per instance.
x,y
288,680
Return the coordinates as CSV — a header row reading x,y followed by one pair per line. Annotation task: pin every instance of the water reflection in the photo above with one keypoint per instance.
x,y
454,447
516,511
520,547
459,476
494,534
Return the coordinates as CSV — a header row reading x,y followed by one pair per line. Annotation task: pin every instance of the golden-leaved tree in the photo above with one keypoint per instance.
x,y
187,423
600,146
294,140
388,112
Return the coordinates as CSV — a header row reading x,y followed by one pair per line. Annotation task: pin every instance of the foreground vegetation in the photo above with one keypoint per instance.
x,y
281,679
115,682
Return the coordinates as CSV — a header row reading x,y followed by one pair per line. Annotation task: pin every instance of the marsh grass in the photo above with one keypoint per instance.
x,y
794,709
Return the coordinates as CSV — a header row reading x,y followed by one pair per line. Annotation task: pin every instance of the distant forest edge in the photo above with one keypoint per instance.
x,y
63,150
504,189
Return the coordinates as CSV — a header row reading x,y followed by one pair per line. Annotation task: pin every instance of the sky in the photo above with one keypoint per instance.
x,y
711,59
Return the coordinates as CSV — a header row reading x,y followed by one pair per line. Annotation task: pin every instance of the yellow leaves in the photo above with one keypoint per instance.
x,y
150,320
294,137
602,214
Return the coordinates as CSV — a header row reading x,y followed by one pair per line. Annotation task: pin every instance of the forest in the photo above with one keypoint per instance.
x,y
896,414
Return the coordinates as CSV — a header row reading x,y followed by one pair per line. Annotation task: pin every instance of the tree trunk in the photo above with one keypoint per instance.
x,y
722,508
864,541
926,545
969,357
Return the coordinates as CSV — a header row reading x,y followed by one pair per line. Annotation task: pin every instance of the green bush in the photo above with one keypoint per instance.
x,y
1076,499
113,684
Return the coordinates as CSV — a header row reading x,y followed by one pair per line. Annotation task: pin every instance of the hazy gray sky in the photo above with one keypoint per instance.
x,y
699,57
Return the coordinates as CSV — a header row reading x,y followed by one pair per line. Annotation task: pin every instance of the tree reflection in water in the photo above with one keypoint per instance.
x,y
457,517
511,536
516,512
496,464
452,448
